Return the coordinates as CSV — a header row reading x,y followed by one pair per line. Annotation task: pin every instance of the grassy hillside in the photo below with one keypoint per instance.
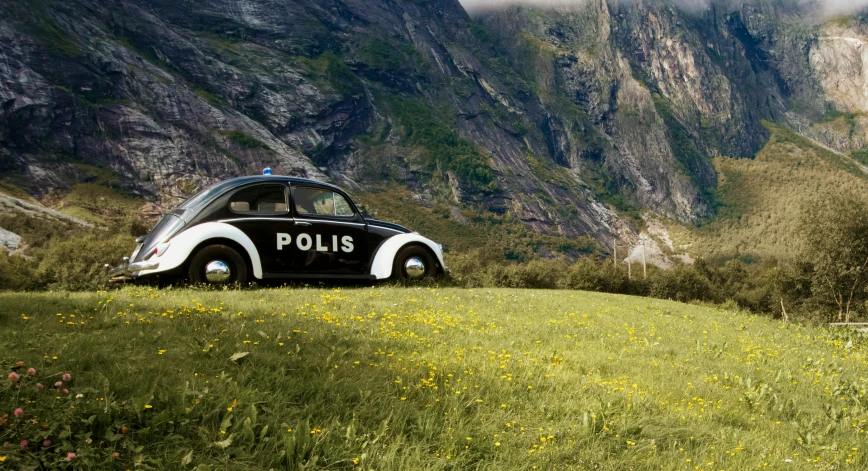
x,y
395,378
475,229
759,200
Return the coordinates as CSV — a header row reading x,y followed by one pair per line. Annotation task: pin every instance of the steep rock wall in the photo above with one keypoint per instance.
x,y
568,118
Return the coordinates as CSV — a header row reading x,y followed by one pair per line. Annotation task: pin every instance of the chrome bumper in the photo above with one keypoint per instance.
x,y
128,270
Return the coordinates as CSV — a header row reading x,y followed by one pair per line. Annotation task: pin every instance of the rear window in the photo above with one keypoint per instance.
x,y
263,199
202,196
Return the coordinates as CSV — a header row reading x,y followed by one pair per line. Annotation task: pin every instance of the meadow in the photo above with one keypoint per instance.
x,y
759,200
392,378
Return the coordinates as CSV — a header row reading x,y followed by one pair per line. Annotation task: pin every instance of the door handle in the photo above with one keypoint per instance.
x,y
297,223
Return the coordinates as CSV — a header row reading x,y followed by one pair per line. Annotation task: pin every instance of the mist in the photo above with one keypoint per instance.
x,y
824,7
839,7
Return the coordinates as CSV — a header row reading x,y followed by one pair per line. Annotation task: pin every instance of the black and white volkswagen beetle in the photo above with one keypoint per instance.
x,y
272,228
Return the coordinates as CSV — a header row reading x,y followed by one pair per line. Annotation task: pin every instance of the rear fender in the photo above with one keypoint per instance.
x,y
182,245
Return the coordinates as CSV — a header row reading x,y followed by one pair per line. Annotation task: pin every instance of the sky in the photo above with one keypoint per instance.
x,y
828,7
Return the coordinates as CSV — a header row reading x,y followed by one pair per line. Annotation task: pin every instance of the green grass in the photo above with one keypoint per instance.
x,y
395,378
242,139
381,54
691,162
442,148
329,69
860,155
214,100
42,25
99,204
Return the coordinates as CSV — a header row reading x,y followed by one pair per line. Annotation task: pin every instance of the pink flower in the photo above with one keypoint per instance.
x,y
70,456
46,443
31,371
39,386
58,384
67,377
116,455
13,376
23,443
19,412
65,391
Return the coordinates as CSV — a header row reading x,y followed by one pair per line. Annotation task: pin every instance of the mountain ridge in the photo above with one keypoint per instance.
x,y
568,120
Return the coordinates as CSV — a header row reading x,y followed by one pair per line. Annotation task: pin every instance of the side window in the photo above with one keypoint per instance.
x,y
318,202
267,199
342,208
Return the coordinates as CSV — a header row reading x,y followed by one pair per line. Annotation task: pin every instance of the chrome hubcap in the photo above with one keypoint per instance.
x,y
414,268
217,271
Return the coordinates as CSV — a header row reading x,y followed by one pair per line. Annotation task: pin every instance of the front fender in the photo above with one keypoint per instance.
x,y
384,259
182,245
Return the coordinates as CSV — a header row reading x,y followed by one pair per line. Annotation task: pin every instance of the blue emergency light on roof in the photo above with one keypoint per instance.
x,y
266,171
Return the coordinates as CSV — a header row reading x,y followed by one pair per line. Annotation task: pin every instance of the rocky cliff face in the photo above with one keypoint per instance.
x,y
839,60
567,118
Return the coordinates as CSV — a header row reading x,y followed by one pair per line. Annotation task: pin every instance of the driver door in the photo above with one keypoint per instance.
x,y
329,236
262,212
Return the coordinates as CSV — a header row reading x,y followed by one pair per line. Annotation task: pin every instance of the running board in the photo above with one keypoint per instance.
x,y
315,276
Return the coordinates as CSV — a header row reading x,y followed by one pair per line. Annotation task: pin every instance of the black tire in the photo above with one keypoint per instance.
x,y
228,255
399,271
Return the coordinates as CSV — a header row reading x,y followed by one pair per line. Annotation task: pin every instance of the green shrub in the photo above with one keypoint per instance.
x,y
17,273
681,284
381,54
692,163
861,156
34,230
244,140
591,275
77,263
332,68
537,274
834,229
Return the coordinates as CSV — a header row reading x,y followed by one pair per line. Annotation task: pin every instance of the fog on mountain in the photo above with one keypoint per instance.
x,y
826,7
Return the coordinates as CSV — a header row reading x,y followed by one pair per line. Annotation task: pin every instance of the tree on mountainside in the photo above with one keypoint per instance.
x,y
834,229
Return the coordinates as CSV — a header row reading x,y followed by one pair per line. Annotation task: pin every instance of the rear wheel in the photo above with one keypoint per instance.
x,y
217,265
413,263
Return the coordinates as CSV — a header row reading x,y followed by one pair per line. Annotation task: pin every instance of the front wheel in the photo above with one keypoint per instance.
x,y
217,265
414,264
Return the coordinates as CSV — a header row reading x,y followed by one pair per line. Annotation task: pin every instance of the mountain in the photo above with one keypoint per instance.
x,y
570,120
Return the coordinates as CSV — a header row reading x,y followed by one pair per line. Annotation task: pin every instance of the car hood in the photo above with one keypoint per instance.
x,y
389,225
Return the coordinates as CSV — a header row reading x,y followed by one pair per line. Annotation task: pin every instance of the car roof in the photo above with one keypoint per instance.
x,y
199,201
235,182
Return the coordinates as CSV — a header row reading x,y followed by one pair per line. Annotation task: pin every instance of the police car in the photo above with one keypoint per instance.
x,y
277,228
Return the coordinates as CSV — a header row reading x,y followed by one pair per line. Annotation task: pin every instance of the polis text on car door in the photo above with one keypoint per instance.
x,y
306,242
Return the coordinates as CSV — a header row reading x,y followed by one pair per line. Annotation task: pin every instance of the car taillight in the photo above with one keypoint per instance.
x,y
160,250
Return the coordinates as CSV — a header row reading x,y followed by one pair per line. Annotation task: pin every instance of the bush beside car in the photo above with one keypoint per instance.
x,y
76,262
